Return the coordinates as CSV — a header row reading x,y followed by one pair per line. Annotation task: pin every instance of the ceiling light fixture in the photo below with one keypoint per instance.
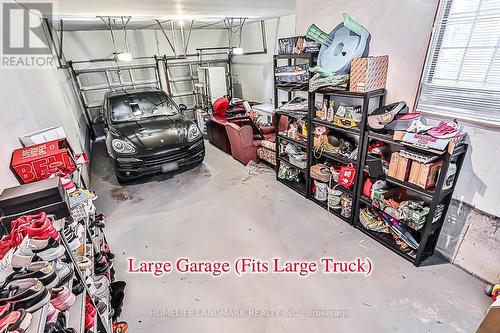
x,y
124,56
181,23
237,50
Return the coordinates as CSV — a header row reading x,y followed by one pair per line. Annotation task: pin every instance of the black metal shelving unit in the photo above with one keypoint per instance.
x,y
303,187
369,101
429,233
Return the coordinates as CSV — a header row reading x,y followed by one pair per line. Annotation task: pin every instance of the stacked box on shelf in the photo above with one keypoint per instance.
x,y
425,186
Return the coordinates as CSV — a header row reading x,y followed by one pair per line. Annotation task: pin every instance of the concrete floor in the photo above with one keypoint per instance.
x,y
219,212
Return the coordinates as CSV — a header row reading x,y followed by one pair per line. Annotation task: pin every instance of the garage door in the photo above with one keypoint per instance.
x,y
93,80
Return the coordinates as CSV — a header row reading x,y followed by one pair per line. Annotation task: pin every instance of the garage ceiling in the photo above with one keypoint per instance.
x,y
175,8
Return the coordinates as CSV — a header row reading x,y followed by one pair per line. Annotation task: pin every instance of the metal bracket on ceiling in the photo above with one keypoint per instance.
x,y
110,21
166,37
184,40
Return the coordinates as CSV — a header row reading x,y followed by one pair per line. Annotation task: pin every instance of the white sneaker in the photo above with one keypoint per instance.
x,y
6,266
419,127
30,247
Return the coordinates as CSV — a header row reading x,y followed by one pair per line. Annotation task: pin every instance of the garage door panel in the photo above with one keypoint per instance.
x,y
94,82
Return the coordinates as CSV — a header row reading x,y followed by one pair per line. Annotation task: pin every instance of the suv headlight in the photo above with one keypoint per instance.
x,y
193,132
122,147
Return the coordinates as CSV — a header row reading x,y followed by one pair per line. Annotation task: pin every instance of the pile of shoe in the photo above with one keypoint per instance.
x,y
32,273
38,261
396,117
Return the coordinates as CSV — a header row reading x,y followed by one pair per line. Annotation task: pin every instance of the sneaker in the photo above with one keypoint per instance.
x,y
6,266
52,314
403,121
28,294
15,321
64,272
418,126
89,309
72,239
43,271
83,263
77,287
68,184
102,267
46,249
40,227
62,298
446,130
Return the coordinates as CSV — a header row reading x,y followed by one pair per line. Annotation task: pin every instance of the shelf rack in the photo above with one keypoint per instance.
x,y
369,101
429,233
38,320
303,187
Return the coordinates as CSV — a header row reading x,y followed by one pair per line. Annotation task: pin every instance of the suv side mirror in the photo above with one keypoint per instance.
x,y
182,108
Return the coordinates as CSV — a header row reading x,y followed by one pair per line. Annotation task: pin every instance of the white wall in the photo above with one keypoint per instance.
x,y
400,29
32,100
255,72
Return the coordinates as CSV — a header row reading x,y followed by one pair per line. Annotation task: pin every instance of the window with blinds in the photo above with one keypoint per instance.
x,y
461,77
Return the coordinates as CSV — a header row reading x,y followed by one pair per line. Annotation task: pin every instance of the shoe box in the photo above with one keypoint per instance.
x,y
297,45
368,74
30,163
428,142
423,175
29,199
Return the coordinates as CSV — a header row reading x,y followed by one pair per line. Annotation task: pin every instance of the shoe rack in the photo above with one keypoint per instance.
x,y
76,314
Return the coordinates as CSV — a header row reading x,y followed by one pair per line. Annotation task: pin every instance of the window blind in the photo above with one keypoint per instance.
x,y
461,76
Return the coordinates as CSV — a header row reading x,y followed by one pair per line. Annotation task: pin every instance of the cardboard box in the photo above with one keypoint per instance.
x,y
30,163
368,74
428,174
29,199
491,320
414,172
393,165
404,166
297,45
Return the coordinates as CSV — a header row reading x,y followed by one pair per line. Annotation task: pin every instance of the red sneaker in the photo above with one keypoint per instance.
x,y
40,228
446,130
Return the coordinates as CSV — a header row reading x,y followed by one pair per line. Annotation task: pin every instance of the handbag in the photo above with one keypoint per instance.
x,y
321,172
347,175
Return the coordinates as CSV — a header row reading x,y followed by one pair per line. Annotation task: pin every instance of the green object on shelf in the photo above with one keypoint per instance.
x,y
321,71
352,25
317,35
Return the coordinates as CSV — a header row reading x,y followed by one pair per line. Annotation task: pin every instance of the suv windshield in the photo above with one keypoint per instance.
x,y
137,106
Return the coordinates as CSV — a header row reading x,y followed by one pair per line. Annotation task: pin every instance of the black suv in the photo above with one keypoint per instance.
x,y
146,132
